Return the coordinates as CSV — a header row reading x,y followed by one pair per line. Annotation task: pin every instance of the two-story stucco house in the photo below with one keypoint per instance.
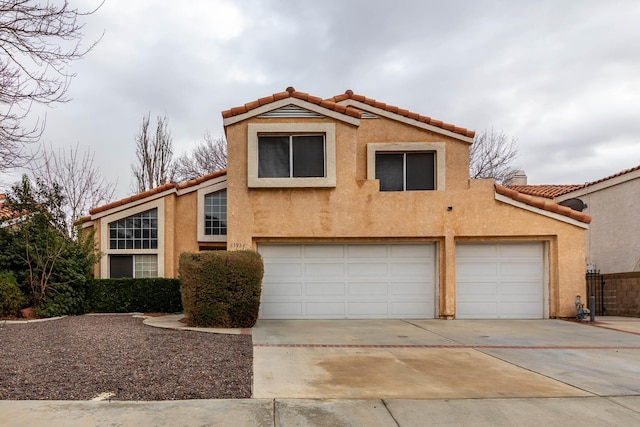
x,y
360,210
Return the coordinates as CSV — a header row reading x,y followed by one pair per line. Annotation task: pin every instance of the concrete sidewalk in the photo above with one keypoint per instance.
x,y
400,373
593,411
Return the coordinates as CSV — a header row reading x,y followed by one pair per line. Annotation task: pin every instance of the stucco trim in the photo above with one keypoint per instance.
x,y
202,237
384,113
329,130
510,201
132,210
291,101
438,147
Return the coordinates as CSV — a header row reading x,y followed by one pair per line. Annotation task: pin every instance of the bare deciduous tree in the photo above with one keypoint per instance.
x,y
38,40
492,155
79,181
154,154
208,156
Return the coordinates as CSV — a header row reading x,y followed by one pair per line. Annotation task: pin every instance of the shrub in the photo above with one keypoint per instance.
x,y
221,288
62,299
127,295
11,298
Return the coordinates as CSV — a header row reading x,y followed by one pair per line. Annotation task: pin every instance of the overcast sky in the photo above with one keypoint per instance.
x,y
562,77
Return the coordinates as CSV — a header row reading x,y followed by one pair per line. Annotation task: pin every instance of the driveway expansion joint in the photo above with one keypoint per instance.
x,y
462,346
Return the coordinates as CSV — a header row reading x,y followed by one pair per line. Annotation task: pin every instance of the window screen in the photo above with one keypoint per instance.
x,y
406,171
308,156
273,157
120,266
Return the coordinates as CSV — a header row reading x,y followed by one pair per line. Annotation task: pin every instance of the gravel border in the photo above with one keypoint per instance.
x,y
117,357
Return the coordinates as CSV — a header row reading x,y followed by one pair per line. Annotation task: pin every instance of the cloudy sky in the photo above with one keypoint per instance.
x,y
562,77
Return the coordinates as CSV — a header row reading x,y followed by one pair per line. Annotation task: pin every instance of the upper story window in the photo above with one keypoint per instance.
x,y
407,166
215,213
291,156
281,155
407,171
139,231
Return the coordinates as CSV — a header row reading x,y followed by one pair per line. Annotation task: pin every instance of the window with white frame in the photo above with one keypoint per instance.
x,y
215,213
139,231
408,171
137,266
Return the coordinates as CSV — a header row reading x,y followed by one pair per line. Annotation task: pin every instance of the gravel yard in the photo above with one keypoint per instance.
x,y
80,357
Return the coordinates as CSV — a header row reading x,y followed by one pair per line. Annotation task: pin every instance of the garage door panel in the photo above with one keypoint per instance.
x,y
473,268
284,269
279,289
466,291
411,251
368,309
499,280
349,280
368,289
281,251
367,269
476,251
367,251
479,310
286,309
520,250
324,269
519,268
325,309
416,268
410,308
325,289
410,289
323,251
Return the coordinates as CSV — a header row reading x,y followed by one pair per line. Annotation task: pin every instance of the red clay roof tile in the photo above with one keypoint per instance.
x,y
292,93
405,113
546,191
547,205
156,190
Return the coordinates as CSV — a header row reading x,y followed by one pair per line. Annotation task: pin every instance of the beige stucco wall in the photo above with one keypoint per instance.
x,y
612,242
355,210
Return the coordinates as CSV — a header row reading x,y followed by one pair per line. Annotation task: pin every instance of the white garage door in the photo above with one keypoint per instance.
x,y
352,281
499,281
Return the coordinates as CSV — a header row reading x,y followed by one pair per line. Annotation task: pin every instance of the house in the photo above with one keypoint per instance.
x,y
360,210
612,243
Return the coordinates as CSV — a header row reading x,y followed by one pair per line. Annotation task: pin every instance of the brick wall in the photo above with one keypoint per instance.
x,y
622,294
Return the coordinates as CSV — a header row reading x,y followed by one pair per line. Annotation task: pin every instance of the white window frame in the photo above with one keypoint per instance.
x,y
202,237
407,147
105,241
329,131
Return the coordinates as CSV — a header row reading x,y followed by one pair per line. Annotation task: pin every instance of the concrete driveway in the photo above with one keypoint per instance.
x,y
435,359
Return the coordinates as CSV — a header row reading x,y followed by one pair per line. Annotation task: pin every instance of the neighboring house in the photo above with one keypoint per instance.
x,y
612,243
360,210
7,216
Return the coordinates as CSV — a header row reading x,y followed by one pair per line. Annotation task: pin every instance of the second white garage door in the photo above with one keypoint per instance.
x,y
347,281
499,281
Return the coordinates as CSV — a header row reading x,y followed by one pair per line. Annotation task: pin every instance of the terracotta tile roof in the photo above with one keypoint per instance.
x,y
405,113
552,191
160,189
291,93
546,205
546,191
624,172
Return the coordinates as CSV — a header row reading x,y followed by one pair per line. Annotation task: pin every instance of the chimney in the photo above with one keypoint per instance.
x,y
520,178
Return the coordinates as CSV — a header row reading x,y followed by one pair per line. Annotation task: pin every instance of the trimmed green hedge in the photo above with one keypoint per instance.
x,y
221,288
128,295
